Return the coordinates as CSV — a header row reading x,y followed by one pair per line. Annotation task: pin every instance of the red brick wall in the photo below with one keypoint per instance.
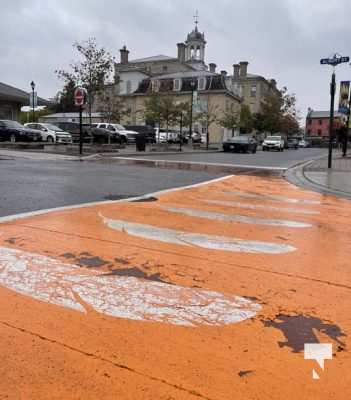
x,y
320,126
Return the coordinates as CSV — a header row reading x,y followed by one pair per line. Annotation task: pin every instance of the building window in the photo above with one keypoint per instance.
x,y
319,132
129,87
177,84
309,121
165,68
253,90
320,122
201,84
309,131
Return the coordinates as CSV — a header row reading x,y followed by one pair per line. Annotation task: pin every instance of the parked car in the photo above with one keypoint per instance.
x,y
196,137
126,135
50,133
147,130
73,129
293,143
273,143
102,135
304,143
170,136
13,131
242,144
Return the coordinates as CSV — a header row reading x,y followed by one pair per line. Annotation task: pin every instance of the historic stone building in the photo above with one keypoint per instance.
x,y
181,77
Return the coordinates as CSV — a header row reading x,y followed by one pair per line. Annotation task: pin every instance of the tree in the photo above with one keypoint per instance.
x,y
246,119
207,116
111,107
279,113
92,71
65,98
230,119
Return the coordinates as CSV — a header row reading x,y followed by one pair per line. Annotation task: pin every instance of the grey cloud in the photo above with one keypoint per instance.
x,y
280,39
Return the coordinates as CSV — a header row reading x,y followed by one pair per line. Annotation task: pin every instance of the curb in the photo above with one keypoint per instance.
x,y
296,175
195,166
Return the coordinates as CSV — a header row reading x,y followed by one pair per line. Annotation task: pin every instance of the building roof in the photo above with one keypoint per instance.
x,y
185,74
159,57
323,114
11,93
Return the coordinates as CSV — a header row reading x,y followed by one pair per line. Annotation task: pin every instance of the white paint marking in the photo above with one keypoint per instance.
x,y
196,239
237,218
54,282
273,198
261,207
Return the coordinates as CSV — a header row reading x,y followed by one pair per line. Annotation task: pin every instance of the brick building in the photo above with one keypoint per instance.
x,y
317,123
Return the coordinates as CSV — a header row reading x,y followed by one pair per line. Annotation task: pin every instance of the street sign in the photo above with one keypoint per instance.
x,y
33,100
79,96
335,60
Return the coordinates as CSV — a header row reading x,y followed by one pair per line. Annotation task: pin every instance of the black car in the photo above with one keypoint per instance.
x,y
13,131
102,135
242,144
293,144
147,130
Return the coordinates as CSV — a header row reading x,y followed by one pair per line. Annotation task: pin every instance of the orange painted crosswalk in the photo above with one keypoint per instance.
x,y
209,291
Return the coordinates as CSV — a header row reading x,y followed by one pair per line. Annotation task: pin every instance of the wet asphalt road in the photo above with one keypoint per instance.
x,y
28,185
284,159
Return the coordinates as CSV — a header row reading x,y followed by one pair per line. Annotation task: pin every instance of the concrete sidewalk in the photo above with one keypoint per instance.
x,y
337,180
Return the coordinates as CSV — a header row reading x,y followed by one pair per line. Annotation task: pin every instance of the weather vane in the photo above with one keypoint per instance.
x,y
196,17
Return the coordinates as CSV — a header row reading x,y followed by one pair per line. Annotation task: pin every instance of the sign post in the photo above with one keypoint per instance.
x,y
334,61
79,100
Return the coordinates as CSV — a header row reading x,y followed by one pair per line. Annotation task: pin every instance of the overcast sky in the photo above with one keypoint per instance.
x,y
281,39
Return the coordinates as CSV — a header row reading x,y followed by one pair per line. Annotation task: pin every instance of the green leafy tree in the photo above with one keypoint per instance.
x,y
208,116
64,100
246,119
230,118
91,71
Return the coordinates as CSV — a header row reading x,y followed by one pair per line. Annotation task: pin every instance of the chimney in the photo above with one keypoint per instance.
x,y
236,71
124,55
224,73
243,69
181,52
213,67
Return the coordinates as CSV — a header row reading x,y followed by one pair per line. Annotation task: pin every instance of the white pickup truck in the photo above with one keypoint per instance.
x,y
273,143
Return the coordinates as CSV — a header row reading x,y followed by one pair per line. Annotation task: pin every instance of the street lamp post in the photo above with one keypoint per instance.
x,y
333,61
32,84
192,86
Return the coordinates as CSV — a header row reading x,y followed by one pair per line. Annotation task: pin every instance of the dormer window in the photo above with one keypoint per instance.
x,y
201,83
177,83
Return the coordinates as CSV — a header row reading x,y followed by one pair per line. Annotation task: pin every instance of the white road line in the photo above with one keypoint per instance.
x,y
196,239
272,198
192,212
260,207
49,280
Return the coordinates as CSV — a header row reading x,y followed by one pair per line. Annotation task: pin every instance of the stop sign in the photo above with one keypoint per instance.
x,y
79,97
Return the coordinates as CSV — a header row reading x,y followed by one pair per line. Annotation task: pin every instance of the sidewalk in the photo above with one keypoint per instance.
x,y
337,180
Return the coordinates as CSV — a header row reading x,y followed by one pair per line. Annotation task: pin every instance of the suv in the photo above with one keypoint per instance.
x,y
273,143
50,133
13,131
293,143
147,130
126,135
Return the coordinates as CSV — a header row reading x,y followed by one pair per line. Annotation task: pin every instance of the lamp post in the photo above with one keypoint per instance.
x,y
192,86
333,61
32,84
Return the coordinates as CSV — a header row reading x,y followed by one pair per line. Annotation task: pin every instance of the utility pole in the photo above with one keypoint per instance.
x,y
333,61
331,119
